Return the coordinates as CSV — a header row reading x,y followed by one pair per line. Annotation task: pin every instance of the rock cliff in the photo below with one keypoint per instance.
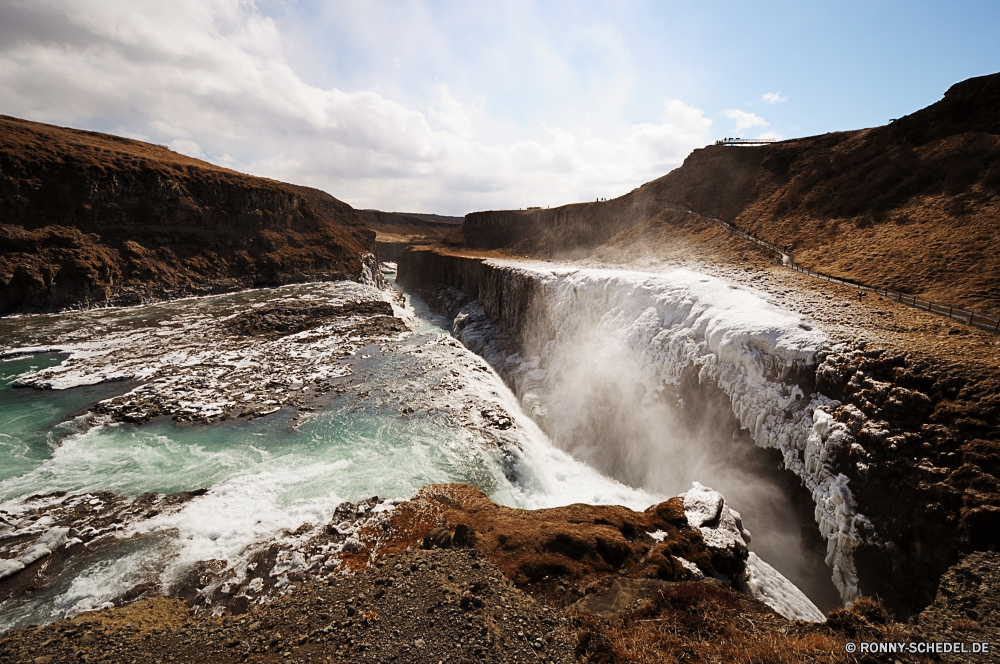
x,y
91,219
911,205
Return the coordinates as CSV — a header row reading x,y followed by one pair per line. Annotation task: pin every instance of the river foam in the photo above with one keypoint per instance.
x,y
415,408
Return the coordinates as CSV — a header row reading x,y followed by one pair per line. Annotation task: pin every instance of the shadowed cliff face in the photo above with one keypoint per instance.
x,y
92,218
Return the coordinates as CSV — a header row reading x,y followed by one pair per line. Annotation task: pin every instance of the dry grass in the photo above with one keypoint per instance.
x,y
695,622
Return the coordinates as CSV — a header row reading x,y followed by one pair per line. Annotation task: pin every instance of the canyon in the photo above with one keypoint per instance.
x,y
640,337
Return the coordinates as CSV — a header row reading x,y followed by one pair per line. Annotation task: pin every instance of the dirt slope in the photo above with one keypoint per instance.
x,y
94,218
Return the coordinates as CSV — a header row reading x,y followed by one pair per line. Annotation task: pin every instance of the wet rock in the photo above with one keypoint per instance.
x,y
286,353
239,605
291,317
721,527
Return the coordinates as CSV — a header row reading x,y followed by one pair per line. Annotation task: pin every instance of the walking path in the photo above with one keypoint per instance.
x,y
786,258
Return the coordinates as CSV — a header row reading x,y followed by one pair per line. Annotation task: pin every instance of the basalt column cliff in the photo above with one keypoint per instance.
x,y
89,218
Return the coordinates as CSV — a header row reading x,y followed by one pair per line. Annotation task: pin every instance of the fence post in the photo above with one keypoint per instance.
x,y
950,307
972,314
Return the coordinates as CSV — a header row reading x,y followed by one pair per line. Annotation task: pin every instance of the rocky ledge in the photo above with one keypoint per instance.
x,y
449,576
239,357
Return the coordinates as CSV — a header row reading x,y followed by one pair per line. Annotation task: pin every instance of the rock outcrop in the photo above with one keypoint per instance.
x,y
93,219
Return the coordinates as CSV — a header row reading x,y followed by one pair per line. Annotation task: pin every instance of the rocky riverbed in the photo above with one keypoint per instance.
x,y
412,585
243,356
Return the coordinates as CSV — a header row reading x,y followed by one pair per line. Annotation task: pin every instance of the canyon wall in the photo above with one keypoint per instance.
x,y
847,422
89,218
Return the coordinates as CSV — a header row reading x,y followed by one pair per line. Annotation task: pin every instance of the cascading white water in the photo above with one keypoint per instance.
x,y
415,417
602,354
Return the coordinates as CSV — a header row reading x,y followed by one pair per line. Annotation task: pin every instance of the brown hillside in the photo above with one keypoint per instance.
x,y
913,206
93,218
396,230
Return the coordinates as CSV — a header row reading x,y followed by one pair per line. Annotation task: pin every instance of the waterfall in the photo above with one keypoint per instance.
x,y
611,364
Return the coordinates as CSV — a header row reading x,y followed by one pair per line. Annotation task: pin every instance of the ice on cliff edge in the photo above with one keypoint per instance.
x,y
722,528
747,347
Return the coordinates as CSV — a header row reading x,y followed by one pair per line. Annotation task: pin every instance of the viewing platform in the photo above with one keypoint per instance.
x,y
746,141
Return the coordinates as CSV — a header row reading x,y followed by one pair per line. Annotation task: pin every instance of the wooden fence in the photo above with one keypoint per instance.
x,y
966,316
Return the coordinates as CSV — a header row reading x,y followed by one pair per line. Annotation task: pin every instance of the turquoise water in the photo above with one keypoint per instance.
x,y
33,423
343,450
271,474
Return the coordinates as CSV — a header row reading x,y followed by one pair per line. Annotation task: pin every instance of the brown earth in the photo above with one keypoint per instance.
x,y
479,599
913,206
89,218
394,231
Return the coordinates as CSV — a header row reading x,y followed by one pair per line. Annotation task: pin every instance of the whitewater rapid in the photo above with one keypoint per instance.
x,y
405,411
596,356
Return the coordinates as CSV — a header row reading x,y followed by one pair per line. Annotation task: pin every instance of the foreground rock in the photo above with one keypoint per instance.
x,y
572,584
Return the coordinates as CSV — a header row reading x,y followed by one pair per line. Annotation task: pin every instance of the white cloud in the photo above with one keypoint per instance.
x,y
208,78
184,146
771,134
744,120
773,97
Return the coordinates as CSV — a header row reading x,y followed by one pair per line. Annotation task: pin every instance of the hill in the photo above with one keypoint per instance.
x,y
913,205
396,230
89,218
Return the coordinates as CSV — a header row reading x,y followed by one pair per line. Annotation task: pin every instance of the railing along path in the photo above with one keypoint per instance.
x,y
967,316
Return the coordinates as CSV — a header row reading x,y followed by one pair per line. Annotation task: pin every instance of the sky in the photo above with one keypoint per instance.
x,y
452,107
